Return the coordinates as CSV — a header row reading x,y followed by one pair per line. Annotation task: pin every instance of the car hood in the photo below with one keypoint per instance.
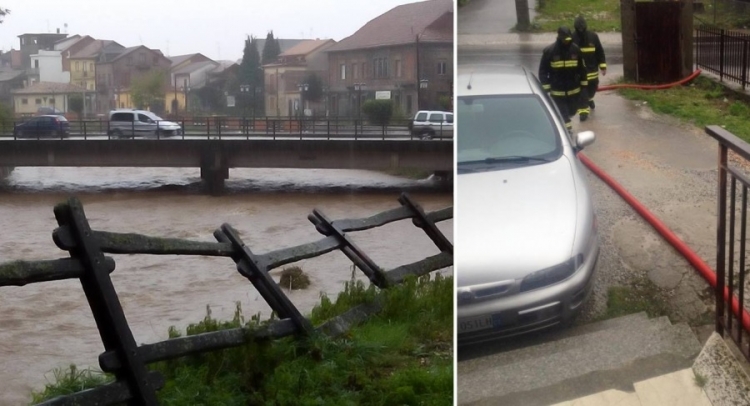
x,y
166,123
512,222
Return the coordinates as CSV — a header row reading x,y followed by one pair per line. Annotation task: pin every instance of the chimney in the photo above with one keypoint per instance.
x,y
58,30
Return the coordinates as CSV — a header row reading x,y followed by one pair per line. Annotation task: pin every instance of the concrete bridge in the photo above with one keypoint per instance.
x,y
215,156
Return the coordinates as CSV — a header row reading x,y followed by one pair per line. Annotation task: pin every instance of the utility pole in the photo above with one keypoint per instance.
x,y
522,15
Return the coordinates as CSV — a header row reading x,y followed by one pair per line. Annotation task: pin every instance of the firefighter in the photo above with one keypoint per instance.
x,y
563,75
593,55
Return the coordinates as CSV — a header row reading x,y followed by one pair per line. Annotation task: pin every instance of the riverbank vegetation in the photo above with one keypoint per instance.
x,y
401,356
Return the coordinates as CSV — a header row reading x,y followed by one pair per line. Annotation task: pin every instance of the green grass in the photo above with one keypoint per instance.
x,y
701,102
639,296
600,15
604,15
401,356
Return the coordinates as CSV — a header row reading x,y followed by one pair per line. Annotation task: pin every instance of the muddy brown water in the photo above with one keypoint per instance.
x,y
48,325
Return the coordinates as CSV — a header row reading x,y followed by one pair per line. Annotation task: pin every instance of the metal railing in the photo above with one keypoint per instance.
x,y
230,127
723,52
731,314
134,383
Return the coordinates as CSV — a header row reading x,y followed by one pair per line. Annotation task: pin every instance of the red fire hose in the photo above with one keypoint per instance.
x,y
650,87
696,261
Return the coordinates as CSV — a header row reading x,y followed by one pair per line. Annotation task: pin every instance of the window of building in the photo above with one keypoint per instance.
x,y
24,101
397,67
36,63
78,66
38,101
343,71
364,70
91,66
442,68
52,101
354,71
380,68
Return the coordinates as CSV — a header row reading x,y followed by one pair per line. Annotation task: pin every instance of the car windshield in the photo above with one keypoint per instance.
x,y
505,129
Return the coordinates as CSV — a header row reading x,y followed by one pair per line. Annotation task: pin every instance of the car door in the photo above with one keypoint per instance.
x,y
145,125
437,123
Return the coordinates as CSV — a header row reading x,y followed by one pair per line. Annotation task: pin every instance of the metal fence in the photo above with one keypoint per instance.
x,y
134,383
723,52
218,127
731,310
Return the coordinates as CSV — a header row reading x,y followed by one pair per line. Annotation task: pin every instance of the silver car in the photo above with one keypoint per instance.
x,y
133,123
526,225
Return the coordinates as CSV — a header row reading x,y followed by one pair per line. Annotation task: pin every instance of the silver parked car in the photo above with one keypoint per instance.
x,y
134,123
525,220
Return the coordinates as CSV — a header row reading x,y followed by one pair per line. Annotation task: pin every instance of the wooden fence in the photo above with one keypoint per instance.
x,y
134,384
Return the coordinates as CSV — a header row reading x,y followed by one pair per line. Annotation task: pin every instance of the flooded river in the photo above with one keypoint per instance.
x,y
49,325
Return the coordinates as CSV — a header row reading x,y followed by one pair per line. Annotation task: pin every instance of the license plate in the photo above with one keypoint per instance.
x,y
470,324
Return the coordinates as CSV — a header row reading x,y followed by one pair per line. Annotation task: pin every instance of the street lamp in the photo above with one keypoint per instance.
x,y
358,87
245,89
422,85
117,97
303,87
185,89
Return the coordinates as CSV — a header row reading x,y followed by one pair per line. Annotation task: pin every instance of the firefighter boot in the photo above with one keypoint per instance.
x,y
592,105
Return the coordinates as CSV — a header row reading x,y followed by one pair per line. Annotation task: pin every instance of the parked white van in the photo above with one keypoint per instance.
x,y
143,123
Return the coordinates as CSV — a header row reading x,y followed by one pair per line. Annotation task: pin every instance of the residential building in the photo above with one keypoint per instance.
x,y
28,100
115,72
189,73
82,66
31,44
405,55
54,64
10,79
285,78
11,59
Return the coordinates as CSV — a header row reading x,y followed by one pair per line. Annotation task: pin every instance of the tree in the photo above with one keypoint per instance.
x,y
3,13
250,73
314,90
271,49
147,90
75,102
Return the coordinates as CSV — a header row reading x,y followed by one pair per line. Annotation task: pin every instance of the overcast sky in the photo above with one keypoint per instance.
x,y
215,28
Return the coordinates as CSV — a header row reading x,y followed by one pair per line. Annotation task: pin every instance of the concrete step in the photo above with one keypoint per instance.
x,y
725,381
673,389
612,358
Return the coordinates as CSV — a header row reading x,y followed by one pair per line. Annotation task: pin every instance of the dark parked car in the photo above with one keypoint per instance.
x,y
43,126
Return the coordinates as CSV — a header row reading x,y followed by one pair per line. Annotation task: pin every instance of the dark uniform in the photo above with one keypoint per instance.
x,y
563,74
593,55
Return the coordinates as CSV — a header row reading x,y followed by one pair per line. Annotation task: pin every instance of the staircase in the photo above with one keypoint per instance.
x,y
630,360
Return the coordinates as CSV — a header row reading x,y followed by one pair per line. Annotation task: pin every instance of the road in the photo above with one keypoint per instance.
x,y
668,165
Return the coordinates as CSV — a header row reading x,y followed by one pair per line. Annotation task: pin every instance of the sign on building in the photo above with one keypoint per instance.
x,y
230,101
383,94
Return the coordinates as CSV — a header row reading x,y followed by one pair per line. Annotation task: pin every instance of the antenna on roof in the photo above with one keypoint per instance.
x,y
470,77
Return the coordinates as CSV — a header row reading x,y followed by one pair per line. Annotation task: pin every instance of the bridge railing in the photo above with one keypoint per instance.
x,y
230,127
134,383
731,268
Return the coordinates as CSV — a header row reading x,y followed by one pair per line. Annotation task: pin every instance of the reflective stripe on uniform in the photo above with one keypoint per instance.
x,y
565,93
588,49
602,66
547,86
584,111
592,75
564,64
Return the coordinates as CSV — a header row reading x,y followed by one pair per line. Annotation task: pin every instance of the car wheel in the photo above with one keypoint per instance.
x,y
117,133
428,135
19,133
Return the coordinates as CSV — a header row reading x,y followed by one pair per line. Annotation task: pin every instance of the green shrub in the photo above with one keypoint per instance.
x,y
378,112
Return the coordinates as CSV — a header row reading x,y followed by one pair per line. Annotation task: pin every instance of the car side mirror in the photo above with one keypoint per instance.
x,y
584,139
